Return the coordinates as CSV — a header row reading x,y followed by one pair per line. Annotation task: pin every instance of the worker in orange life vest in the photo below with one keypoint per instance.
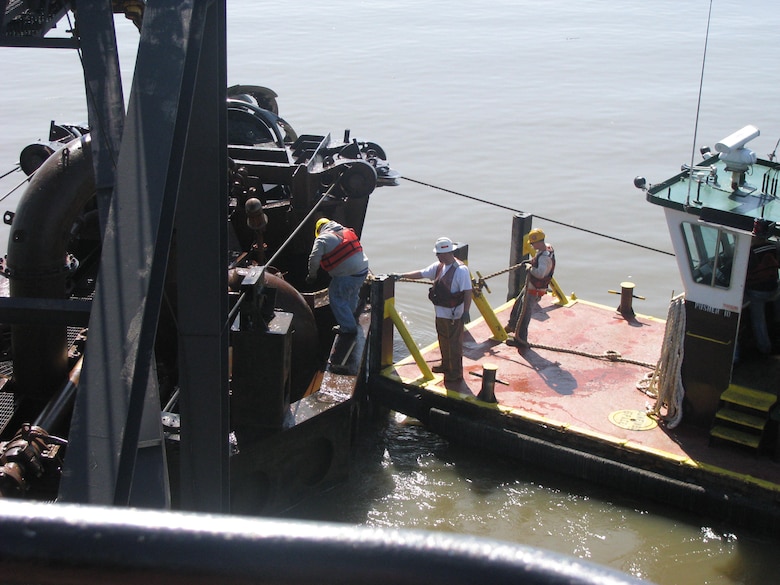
x,y
538,277
338,251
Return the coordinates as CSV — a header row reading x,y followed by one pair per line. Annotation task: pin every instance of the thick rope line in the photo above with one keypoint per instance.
x,y
491,275
609,355
568,225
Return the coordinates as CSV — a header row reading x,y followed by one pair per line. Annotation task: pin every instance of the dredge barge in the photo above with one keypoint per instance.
x,y
161,345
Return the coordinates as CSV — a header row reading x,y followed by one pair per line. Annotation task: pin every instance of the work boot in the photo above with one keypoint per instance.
x,y
512,341
339,330
339,369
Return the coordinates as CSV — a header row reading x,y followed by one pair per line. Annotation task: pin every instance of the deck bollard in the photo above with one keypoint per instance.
x,y
626,299
487,393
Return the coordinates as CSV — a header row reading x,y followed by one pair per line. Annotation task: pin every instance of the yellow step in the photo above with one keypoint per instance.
x,y
736,436
741,418
755,399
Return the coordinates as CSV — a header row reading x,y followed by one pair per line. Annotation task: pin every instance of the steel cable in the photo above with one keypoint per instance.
x,y
568,225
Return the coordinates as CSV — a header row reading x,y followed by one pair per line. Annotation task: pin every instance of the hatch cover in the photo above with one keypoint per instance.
x,y
633,420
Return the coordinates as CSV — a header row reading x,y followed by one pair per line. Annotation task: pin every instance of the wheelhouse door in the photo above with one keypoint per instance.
x,y
712,260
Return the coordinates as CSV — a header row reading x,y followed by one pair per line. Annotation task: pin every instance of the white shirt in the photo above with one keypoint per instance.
x,y
461,281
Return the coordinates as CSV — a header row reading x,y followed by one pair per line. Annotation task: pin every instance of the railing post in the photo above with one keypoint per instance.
x,y
384,318
380,350
521,225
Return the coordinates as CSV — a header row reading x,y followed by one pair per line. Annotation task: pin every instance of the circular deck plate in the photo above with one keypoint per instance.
x,y
633,420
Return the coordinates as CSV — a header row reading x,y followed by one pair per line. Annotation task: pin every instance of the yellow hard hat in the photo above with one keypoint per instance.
x,y
535,235
318,226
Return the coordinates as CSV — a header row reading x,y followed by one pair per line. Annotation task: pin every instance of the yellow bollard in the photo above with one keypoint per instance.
x,y
558,292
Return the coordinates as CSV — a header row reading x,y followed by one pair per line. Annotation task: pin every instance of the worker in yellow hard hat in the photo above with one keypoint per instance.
x,y
539,274
318,226
338,251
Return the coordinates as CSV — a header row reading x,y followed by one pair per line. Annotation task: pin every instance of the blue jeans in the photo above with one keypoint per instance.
x,y
344,292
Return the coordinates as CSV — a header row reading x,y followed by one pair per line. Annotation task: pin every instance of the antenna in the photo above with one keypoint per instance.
x,y
771,155
698,104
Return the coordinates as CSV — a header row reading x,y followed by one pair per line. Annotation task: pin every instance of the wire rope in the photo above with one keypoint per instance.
x,y
561,223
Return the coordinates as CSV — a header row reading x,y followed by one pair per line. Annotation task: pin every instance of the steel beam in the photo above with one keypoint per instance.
x,y
202,244
117,391
105,100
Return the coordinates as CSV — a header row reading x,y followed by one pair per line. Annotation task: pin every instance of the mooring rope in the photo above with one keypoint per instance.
x,y
482,278
609,355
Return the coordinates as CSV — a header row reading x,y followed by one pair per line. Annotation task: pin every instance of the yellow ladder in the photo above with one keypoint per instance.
x,y
743,416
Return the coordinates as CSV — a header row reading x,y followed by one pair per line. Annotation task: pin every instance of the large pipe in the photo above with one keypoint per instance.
x,y
305,343
38,263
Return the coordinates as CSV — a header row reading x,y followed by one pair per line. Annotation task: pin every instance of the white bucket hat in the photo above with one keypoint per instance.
x,y
443,245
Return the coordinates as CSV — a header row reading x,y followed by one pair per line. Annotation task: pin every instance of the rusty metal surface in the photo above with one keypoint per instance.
x,y
576,392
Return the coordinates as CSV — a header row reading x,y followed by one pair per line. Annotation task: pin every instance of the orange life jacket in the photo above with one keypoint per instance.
x,y
349,246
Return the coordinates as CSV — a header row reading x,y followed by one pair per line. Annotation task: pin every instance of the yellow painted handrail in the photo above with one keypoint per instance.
x,y
410,344
487,312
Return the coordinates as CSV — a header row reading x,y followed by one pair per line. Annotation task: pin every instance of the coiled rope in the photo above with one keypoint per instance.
x,y
665,382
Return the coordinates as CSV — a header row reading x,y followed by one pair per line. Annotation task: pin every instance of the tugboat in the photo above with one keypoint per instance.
x,y
683,412
721,225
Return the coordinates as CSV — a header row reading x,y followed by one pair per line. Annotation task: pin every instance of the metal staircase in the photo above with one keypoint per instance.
x,y
743,416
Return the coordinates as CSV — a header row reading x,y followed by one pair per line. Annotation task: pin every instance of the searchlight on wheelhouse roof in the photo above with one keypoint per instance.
x,y
732,149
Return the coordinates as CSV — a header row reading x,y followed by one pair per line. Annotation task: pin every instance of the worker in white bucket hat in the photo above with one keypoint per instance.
x,y
451,297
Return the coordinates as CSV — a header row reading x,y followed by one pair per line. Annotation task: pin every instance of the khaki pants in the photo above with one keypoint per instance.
x,y
450,333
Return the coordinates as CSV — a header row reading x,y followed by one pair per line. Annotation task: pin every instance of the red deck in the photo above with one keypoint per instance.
x,y
565,381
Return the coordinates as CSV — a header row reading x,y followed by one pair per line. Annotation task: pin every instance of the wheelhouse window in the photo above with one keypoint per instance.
x,y
710,254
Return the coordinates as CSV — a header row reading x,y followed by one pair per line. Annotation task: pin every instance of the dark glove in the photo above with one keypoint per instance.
x,y
466,317
394,276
